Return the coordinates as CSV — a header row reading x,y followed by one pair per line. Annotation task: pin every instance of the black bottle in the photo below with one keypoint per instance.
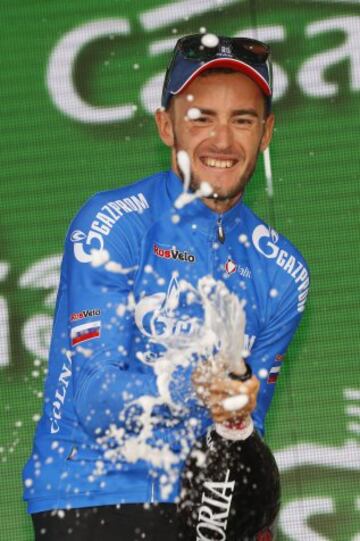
x,y
230,487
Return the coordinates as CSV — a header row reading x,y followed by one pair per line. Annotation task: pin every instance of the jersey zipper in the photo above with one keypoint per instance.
x,y
220,230
152,498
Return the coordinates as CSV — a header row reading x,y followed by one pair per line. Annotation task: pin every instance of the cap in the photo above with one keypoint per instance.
x,y
193,55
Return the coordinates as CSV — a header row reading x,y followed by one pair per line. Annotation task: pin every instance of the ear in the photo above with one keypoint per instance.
x,y
268,131
165,127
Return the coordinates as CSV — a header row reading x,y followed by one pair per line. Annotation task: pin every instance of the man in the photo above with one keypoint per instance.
x,y
119,416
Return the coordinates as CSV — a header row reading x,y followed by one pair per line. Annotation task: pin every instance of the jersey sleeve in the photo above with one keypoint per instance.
x,y
271,344
99,276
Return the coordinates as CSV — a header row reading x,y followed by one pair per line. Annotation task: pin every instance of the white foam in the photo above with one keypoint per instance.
x,y
263,373
184,164
234,403
185,198
113,266
222,328
99,257
193,113
210,40
175,219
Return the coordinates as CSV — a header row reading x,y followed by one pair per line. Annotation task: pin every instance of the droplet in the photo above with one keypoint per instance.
x,y
193,113
205,189
243,238
235,402
99,257
263,373
210,40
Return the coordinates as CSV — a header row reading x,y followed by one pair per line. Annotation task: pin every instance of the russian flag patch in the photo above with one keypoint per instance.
x,y
84,332
273,374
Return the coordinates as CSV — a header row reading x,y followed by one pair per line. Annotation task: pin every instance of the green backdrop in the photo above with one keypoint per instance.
x,y
78,83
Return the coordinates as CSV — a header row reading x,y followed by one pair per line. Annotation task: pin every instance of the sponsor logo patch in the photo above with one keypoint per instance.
x,y
87,331
60,394
265,240
173,253
273,374
231,267
85,313
77,236
102,225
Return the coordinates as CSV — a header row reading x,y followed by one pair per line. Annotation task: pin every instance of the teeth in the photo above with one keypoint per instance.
x,y
222,164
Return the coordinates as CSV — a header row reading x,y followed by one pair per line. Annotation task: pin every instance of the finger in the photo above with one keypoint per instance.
x,y
252,384
236,402
214,399
228,407
221,416
235,387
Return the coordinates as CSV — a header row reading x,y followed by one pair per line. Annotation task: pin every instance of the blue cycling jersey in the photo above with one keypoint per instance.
x,y
126,254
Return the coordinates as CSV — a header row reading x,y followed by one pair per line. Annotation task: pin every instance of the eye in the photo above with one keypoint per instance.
x,y
244,121
202,119
197,116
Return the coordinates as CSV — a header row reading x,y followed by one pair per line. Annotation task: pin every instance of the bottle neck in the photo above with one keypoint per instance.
x,y
236,431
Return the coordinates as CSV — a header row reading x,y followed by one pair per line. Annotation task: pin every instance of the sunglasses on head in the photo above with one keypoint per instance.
x,y
249,50
197,49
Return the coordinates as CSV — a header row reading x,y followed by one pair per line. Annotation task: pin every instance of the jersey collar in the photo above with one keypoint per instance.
x,y
203,216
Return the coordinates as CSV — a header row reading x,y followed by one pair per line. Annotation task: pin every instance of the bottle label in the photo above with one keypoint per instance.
x,y
215,507
240,430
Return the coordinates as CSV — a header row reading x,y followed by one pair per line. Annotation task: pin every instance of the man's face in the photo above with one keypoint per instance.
x,y
219,121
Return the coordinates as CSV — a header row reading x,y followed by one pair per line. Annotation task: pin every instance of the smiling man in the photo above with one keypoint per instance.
x,y
120,415
223,130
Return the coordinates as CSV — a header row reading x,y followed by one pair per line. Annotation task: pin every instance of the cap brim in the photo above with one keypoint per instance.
x,y
236,65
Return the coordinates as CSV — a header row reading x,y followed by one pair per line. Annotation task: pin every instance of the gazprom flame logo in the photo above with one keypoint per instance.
x,y
265,239
157,315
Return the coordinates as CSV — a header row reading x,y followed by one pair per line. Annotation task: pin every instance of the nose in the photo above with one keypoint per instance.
x,y
222,136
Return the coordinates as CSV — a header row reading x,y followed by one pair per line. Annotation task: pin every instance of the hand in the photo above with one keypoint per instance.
x,y
213,386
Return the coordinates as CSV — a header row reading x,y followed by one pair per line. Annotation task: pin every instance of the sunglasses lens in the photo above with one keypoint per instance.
x,y
193,49
252,49
240,48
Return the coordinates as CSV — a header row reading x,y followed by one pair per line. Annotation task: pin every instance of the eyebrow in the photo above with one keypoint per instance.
x,y
236,112
251,112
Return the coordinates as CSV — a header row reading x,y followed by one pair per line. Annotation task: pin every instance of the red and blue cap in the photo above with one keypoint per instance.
x,y
199,52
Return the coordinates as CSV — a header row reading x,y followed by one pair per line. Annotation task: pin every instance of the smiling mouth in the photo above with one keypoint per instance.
x,y
218,164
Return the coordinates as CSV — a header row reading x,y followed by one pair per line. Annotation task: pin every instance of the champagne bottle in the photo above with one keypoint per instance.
x,y
230,485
